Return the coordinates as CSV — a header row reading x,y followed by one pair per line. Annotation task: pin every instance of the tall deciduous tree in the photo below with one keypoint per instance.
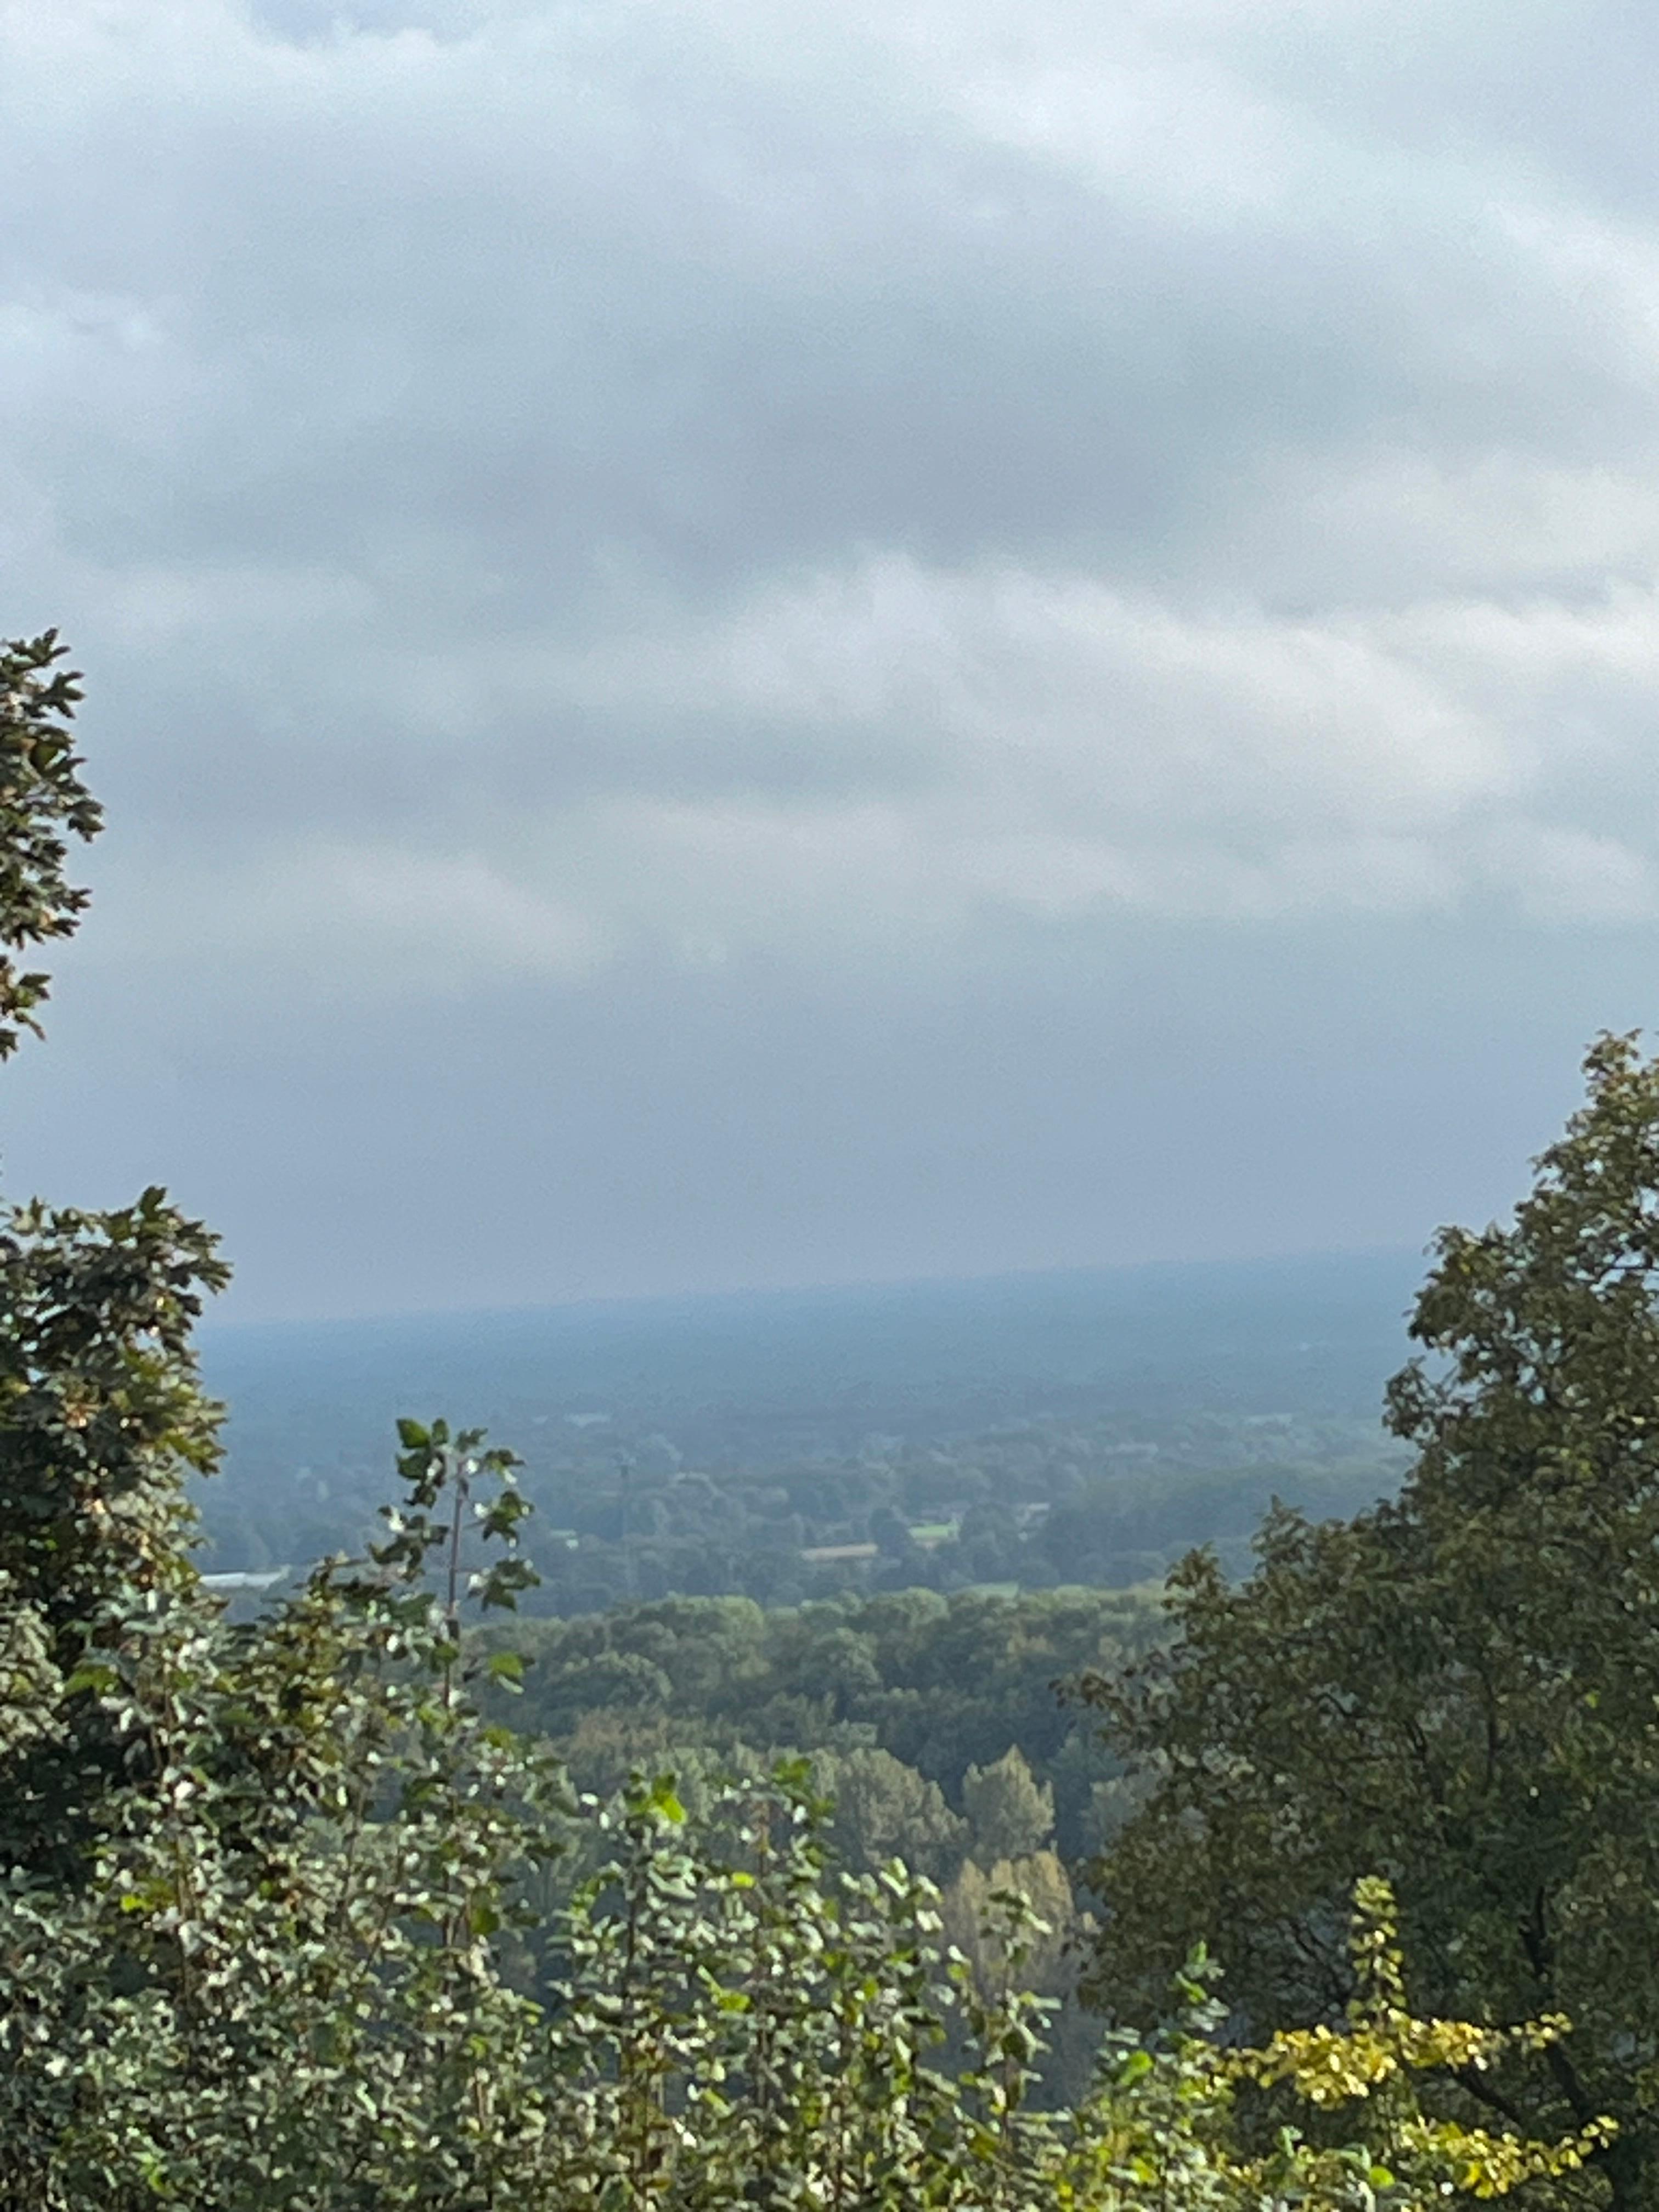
x,y
101,1412
1013,1815
1459,1690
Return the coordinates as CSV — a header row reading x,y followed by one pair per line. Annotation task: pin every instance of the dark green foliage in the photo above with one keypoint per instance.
x,y
1459,1690
100,1418
43,802
101,1415
941,1684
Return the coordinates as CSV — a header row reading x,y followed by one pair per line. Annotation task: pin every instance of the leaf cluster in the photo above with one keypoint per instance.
x,y
43,803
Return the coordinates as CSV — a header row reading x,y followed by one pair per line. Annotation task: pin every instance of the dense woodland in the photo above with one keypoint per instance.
x,y
1108,1499
1027,1431
930,1727
938,1686
1335,1884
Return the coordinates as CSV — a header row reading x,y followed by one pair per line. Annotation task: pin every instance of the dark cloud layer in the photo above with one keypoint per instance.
x,y
651,573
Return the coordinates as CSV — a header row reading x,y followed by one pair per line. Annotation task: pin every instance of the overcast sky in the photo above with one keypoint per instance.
x,y
743,641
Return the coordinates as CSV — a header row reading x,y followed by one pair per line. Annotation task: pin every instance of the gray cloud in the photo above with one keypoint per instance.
x,y
618,507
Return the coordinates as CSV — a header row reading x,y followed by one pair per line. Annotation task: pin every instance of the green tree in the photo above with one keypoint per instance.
x,y
885,1810
101,1414
1011,1813
225,1974
43,802
1459,1690
971,1919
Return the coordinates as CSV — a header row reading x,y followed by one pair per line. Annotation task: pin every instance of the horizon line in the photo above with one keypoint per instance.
x,y
850,1286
